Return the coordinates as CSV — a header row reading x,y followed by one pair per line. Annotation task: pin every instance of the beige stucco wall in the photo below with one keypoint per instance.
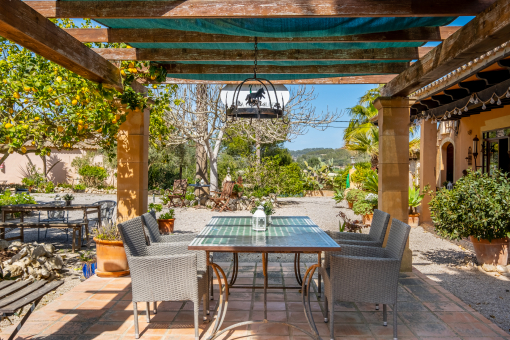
x,y
469,127
16,165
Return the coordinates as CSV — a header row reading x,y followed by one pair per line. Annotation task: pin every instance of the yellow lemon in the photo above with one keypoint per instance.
x,y
5,81
80,127
131,65
154,86
26,88
8,125
129,47
33,89
26,101
80,121
77,97
11,110
60,128
100,130
153,77
74,102
50,90
117,116
122,72
55,69
25,126
33,143
134,70
48,153
36,118
57,102
59,79
16,95
86,126
23,149
114,121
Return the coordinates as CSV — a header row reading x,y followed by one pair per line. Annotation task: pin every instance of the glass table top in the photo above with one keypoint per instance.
x,y
286,233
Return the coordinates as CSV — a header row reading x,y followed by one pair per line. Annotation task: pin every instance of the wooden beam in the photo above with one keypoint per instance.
x,y
161,54
161,35
485,32
374,68
24,26
258,9
379,79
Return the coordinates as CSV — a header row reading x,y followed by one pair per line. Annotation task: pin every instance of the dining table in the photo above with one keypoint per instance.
x,y
285,234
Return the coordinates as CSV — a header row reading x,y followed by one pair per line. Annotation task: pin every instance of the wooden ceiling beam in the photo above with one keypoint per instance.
x,y
487,31
24,26
161,35
374,68
160,54
379,79
257,9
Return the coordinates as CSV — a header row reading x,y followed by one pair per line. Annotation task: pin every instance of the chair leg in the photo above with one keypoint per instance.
x,y
148,312
46,233
38,229
211,278
135,314
384,315
326,310
155,310
205,300
395,321
376,306
332,318
196,305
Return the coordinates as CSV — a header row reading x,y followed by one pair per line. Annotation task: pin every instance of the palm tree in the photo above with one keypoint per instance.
x,y
366,142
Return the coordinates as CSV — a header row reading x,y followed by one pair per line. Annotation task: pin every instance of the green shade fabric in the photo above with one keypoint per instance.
x,y
278,28
285,63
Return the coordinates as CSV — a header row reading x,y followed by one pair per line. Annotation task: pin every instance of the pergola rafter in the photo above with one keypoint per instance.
x,y
161,35
257,9
379,79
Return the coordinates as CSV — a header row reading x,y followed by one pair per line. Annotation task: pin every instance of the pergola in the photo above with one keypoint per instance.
x,y
299,42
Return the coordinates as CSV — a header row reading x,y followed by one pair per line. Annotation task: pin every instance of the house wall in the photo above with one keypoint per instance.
x,y
16,165
469,127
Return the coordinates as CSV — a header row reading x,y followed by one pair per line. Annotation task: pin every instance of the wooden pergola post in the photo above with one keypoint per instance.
x,y
428,150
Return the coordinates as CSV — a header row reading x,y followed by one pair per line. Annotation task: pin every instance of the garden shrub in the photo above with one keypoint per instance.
x,y
476,206
8,199
355,195
362,207
291,180
361,174
93,175
371,183
49,187
80,187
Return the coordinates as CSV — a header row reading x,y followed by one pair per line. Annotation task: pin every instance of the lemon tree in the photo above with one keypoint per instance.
x,y
45,105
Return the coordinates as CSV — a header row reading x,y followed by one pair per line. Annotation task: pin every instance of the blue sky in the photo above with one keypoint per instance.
x,y
339,97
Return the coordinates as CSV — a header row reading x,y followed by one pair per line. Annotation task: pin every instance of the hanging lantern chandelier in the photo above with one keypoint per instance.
x,y
260,98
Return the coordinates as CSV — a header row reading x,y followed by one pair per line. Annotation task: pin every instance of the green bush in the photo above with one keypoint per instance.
x,y
361,174
362,207
49,188
8,199
291,180
371,183
80,187
93,175
476,206
64,185
355,195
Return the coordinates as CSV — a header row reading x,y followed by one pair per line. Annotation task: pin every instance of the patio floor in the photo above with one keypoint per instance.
x,y
102,309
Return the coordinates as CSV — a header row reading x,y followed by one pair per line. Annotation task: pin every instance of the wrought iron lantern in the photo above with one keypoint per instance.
x,y
249,98
258,220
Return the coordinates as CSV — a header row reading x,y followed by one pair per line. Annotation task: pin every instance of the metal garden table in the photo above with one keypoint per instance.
x,y
293,234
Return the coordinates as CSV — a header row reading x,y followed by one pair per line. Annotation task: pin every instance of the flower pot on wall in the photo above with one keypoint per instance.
x,y
414,220
166,226
111,258
350,204
367,219
494,252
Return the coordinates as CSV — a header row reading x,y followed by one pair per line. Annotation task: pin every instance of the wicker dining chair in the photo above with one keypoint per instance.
x,y
154,237
374,238
164,272
366,274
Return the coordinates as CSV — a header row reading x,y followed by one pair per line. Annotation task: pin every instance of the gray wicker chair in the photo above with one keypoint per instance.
x,y
165,272
154,237
366,274
374,238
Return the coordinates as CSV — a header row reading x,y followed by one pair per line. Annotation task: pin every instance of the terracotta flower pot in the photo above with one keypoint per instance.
x,y
494,252
367,219
111,259
350,204
414,220
166,226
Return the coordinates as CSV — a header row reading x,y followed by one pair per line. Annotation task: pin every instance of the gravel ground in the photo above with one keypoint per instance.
x,y
443,261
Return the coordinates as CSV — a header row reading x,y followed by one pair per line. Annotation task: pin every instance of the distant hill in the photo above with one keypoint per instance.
x,y
341,157
299,153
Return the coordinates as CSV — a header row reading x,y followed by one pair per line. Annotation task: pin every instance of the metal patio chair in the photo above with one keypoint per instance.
x,y
365,274
107,211
164,272
154,237
53,216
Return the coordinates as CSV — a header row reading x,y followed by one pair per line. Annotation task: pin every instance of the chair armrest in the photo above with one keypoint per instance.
x,y
177,248
178,238
355,250
337,235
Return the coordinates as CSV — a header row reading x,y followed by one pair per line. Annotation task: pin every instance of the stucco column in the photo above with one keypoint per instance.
x,y
393,120
132,165
428,151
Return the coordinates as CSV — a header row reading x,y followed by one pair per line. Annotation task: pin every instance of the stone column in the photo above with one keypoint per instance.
x,y
132,165
393,120
428,150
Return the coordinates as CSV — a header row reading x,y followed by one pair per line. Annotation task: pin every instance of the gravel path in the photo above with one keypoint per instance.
x,y
441,260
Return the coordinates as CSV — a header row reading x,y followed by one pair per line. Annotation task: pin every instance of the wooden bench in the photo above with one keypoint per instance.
x,y
16,295
75,226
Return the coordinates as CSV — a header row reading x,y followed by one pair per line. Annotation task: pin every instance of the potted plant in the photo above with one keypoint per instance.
x,y
88,259
415,199
68,198
237,191
371,199
476,207
166,222
110,254
354,195
365,209
268,210
339,195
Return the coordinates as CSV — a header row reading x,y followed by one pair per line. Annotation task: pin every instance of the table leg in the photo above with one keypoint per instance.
x,y
305,294
319,284
265,257
235,269
99,217
79,238
74,239
21,233
223,301
296,269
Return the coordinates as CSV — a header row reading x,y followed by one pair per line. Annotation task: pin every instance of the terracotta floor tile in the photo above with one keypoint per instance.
x,y
239,305
258,315
431,329
367,307
270,329
167,306
29,328
352,330
298,306
237,316
259,297
76,296
234,296
418,317
472,329
387,331
443,307
67,328
91,304
271,305
120,316
109,327
456,317
152,328
299,317
108,296
345,307
48,315
62,305
83,315
496,329
349,317
99,337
